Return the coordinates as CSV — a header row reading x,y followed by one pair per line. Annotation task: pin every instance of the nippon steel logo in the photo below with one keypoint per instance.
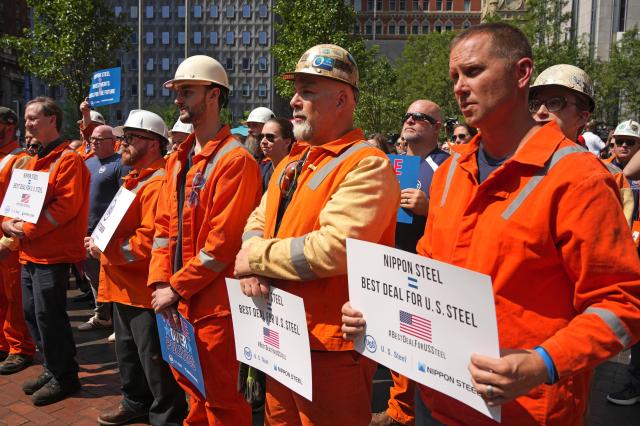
x,y
370,343
247,353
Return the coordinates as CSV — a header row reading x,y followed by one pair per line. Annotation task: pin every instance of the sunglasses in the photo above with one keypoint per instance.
x,y
418,116
99,140
554,104
461,136
268,136
628,142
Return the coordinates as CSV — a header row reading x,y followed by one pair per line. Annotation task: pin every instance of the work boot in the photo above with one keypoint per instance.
x,y
382,419
31,386
121,415
54,391
627,396
94,323
15,363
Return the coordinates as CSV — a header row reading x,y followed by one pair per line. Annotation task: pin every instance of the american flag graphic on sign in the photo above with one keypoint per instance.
x,y
271,337
25,198
415,326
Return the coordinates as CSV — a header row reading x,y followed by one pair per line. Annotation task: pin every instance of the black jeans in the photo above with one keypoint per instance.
x,y
44,301
147,381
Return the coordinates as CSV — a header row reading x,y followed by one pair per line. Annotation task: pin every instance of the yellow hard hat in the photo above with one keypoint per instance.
x,y
199,69
327,60
569,76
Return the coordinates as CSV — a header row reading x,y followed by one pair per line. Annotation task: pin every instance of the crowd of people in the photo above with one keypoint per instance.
x,y
517,192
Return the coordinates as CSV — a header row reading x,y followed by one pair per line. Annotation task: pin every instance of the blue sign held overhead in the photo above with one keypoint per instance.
x,y
105,87
406,168
180,351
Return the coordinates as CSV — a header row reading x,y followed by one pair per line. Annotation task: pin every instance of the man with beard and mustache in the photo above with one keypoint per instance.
x,y
333,185
148,387
211,187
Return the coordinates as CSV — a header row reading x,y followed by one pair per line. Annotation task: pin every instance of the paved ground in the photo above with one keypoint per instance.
x,y
100,389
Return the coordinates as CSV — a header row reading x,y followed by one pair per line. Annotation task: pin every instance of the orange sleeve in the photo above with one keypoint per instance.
x,y
160,266
237,193
66,196
130,248
86,132
601,261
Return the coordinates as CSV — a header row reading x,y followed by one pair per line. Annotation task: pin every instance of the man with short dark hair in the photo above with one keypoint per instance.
x,y
48,248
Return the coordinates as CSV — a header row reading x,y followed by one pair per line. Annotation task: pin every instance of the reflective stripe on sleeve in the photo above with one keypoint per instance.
x,y
159,242
250,234
447,185
127,253
50,218
320,175
299,261
614,324
210,262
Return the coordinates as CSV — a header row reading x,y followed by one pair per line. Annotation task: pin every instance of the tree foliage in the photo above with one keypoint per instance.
x,y
69,39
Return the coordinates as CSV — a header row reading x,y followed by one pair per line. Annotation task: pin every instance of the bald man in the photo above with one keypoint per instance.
x,y
107,172
420,127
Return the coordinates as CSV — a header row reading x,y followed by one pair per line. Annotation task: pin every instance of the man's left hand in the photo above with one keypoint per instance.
x,y
242,267
163,297
254,286
415,200
502,380
91,248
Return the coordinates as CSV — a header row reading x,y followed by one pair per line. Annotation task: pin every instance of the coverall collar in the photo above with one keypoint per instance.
x,y
135,175
208,149
335,146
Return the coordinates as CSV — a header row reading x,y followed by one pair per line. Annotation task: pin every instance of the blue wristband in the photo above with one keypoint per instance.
x,y
551,368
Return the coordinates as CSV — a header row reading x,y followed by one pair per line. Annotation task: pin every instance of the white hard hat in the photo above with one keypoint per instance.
x,y
144,120
569,76
96,117
181,127
199,69
628,128
260,115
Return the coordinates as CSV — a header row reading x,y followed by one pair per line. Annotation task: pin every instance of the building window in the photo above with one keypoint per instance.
x,y
133,64
197,37
263,10
448,26
165,91
133,12
425,4
117,11
415,4
229,63
165,64
369,5
466,24
357,5
449,4
165,37
378,27
246,11
181,37
467,5
149,89
213,38
402,28
393,5
356,28
438,27
231,11
134,90
133,38
262,63
246,90
368,28
262,90
246,64
262,38
197,11
230,38
148,12
150,64
425,27
180,11
246,38
179,61
403,4
166,12
415,28
391,28
149,37
213,11
438,4
379,4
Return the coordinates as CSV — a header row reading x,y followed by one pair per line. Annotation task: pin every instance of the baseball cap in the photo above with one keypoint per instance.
x,y
8,116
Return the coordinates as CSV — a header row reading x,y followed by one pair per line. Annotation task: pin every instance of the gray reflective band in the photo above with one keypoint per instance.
x,y
57,160
50,218
613,322
221,153
159,172
9,156
447,185
251,234
159,242
613,169
127,253
320,175
176,169
537,178
210,262
299,261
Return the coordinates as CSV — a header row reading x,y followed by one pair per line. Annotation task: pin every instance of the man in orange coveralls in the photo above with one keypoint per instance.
x,y
333,185
211,187
16,346
47,250
148,387
524,204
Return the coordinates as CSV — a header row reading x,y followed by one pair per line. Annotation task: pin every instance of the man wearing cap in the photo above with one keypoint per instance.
x,y
47,248
211,187
148,387
90,120
16,345
178,134
332,186
107,172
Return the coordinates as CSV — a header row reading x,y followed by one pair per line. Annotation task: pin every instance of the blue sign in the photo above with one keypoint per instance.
x,y
180,351
105,87
407,168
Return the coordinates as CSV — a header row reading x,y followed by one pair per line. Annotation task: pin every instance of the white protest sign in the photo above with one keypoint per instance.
x,y
111,218
271,335
25,196
424,318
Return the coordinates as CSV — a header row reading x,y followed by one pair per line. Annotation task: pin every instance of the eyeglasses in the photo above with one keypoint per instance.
x,y
418,116
461,136
268,136
554,104
128,138
196,186
629,142
99,140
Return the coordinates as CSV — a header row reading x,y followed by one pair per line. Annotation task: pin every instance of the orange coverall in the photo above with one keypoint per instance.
x,y
14,334
346,188
563,278
222,187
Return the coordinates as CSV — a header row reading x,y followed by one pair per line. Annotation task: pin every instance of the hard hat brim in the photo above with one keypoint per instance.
x,y
172,84
291,76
